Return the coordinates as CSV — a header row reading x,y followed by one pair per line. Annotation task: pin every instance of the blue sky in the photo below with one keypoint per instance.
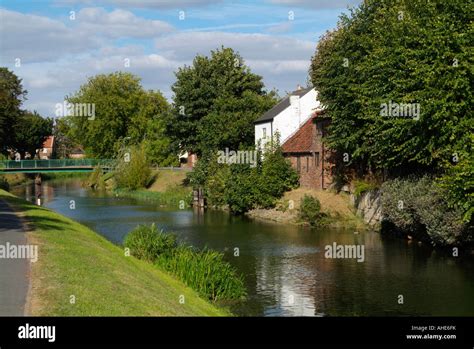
x,y
57,54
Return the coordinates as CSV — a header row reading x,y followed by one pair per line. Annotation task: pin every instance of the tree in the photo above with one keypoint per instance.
x,y
11,98
216,100
406,52
31,130
123,110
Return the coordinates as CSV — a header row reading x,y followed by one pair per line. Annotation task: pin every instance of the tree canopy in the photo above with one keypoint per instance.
x,y
406,52
216,100
125,114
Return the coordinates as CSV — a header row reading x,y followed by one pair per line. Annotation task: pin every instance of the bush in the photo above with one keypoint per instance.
x,y
136,172
310,210
205,270
4,183
148,243
418,207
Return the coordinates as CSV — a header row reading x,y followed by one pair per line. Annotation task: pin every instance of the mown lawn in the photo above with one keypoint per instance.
x,y
75,261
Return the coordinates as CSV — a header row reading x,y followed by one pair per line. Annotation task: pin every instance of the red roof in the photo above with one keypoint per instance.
x,y
48,143
302,140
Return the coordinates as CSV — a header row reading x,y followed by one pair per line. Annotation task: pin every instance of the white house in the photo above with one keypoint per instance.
x,y
287,116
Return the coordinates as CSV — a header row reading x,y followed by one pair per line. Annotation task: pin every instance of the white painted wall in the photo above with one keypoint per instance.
x,y
289,120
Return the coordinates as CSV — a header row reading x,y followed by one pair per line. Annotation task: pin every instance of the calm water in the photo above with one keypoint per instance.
x,y
284,266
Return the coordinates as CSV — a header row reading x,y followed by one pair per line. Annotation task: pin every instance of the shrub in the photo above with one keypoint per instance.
x,y
418,207
136,172
205,271
310,210
148,243
4,183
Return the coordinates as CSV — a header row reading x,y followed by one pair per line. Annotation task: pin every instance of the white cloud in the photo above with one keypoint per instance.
x,y
141,3
119,24
318,4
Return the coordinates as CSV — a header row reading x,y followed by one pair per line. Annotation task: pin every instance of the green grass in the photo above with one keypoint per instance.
x,y
171,197
74,260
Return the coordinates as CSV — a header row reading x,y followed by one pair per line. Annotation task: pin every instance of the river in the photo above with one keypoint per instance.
x,y
284,266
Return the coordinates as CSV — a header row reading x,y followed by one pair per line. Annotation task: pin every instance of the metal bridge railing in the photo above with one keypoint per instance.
x,y
55,163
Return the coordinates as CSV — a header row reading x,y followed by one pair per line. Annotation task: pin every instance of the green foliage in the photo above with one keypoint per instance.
x,y
242,187
408,51
172,197
418,207
4,183
122,109
310,210
459,180
31,130
148,243
205,270
362,187
11,97
133,169
216,100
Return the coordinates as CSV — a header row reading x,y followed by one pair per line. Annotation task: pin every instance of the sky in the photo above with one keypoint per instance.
x,y
54,46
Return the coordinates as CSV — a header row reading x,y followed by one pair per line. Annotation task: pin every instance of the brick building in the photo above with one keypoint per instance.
x,y
307,153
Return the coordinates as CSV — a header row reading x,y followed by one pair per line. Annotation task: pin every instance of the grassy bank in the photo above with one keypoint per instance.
x,y
336,208
75,261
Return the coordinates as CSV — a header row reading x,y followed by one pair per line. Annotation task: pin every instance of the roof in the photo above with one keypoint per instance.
x,y
302,140
48,143
282,105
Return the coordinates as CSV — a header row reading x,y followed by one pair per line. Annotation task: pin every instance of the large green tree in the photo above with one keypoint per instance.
x,y
123,113
31,130
12,95
405,51
216,100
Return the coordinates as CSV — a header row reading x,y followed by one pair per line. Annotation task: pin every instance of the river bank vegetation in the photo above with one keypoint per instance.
x,y
205,271
80,273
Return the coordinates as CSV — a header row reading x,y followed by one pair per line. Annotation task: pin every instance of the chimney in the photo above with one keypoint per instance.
x,y
299,87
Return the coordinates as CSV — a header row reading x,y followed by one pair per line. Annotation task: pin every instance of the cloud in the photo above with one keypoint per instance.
x,y
317,4
119,24
35,38
251,46
141,3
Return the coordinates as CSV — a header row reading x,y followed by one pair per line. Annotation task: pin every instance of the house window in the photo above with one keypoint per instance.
x,y
45,150
264,132
307,164
298,164
316,159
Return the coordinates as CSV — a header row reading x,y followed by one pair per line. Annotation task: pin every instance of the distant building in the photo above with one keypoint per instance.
x,y
187,160
77,153
47,150
308,154
301,124
287,116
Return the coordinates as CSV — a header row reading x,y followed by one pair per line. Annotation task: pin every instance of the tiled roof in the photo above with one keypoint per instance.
x,y
302,140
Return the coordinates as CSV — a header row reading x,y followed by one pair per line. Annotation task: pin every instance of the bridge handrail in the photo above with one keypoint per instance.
x,y
55,163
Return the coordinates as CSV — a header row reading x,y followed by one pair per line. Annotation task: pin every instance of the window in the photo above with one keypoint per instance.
x,y
307,164
264,132
316,159
298,164
45,150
